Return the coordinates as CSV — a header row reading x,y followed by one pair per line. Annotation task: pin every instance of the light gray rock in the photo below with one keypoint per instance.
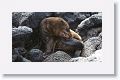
x,y
21,36
96,57
21,30
91,45
90,27
58,56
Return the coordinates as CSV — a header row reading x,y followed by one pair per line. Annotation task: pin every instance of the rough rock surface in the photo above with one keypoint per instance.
x,y
19,58
19,17
91,45
21,36
58,56
18,53
90,27
20,50
21,30
96,57
35,55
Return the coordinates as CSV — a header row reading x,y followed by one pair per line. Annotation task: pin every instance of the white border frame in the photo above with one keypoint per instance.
x,y
9,67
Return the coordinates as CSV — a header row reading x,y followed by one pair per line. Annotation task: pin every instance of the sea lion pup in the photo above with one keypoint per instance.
x,y
55,30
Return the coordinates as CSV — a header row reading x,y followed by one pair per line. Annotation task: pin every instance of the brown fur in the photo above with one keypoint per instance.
x,y
55,29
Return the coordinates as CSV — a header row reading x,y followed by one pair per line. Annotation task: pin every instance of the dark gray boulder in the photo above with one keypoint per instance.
x,y
20,51
58,56
35,55
21,33
18,55
19,58
21,36
90,27
19,17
